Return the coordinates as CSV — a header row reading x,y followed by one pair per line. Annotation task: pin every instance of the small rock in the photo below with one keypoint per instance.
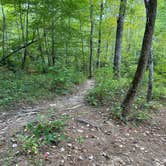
x,y
80,131
127,134
69,145
62,161
14,145
91,157
81,158
121,146
52,105
62,149
92,129
142,148
13,140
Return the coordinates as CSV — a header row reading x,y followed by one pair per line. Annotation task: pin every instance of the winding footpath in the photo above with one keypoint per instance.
x,y
94,140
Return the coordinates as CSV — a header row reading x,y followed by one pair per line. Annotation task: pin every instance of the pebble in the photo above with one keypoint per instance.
x,y
69,145
81,158
62,149
91,157
80,131
14,145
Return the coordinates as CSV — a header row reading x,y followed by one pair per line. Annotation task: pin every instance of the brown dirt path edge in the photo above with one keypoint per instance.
x,y
94,140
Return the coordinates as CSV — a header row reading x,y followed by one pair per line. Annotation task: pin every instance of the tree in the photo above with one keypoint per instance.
x,y
99,35
3,30
119,34
91,41
151,7
150,80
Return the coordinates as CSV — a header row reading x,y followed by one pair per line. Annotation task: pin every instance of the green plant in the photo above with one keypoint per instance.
x,y
28,88
107,92
64,78
42,132
80,140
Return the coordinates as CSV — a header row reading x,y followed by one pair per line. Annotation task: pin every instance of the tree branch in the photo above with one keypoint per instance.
x,y
16,50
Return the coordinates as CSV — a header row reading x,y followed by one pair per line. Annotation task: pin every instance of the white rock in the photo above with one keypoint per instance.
x,y
121,146
14,145
62,149
142,148
52,105
92,129
69,145
80,131
91,157
81,158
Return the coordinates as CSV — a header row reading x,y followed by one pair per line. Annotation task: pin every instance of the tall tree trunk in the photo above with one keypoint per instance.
x,y
26,36
99,35
151,6
3,31
91,41
119,34
52,43
82,48
150,81
46,47
41,51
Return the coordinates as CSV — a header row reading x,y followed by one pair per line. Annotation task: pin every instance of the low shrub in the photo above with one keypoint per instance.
x,y
22,87
41,133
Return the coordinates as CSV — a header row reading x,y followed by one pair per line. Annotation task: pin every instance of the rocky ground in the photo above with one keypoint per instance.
x,y
94,140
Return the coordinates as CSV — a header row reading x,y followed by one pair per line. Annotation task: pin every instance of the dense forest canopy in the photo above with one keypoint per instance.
x,y
62,31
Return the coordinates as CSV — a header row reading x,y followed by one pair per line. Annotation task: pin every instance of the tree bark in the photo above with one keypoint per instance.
x,y
26,36
3,31
143,60
91,41
150,81
119,34
82,48
16,50
99,35
52,43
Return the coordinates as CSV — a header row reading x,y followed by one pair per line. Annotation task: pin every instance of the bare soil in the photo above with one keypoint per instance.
x,y
93,139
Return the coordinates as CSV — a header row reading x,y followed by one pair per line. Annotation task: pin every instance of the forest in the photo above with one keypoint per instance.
x,y
82,82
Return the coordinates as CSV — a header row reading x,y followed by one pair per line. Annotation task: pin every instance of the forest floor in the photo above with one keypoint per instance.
x,y
94,140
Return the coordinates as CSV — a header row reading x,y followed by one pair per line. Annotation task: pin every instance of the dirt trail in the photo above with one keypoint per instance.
x,y
94,140
11,121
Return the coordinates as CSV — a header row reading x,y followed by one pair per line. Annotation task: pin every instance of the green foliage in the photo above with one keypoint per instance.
x,y
136,116
64,78
110,92
22,87
107,90
80,140
42,132
159,91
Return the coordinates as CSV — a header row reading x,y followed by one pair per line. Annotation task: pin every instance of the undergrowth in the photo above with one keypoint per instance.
x,y
24,87
38,135
109,92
